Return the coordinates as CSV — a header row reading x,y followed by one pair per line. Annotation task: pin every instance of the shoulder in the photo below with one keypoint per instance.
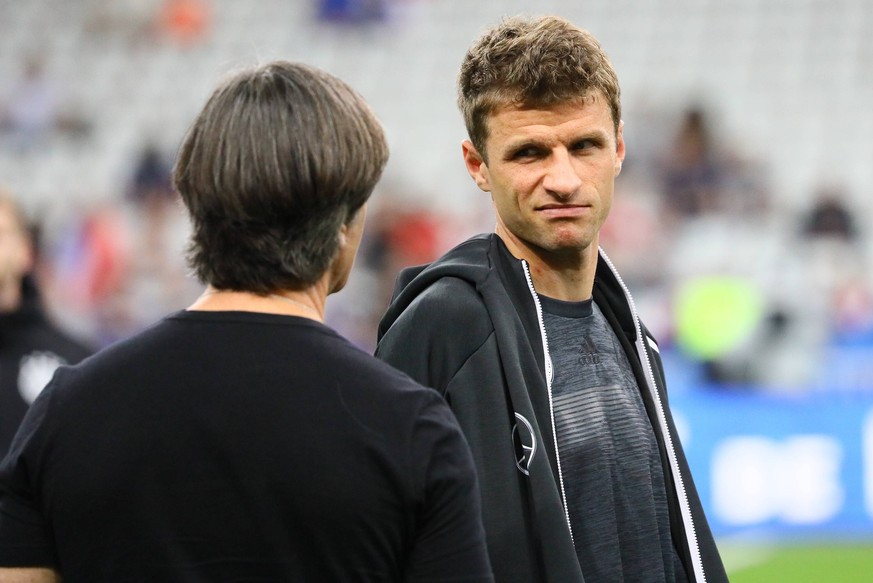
x,y
446,305
118,363
437,332
450,310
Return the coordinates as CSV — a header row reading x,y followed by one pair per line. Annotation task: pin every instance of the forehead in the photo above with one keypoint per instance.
x,y
585,115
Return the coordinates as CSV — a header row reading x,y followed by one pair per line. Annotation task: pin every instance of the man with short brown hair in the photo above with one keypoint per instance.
x,y
534,339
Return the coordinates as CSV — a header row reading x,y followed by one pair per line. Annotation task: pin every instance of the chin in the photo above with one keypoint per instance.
x,y
572,243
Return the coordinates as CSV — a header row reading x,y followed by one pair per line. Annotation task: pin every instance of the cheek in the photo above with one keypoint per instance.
x,y
519,186
606,198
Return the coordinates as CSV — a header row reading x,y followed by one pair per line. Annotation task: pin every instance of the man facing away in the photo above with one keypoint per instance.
x,y
242,439
534,339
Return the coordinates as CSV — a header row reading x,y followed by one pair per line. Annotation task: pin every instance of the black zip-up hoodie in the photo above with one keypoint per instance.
x,y
470,326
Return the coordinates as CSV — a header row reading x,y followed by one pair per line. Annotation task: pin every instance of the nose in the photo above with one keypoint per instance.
x,y
561,178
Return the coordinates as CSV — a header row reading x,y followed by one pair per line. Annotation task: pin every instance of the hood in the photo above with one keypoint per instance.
x,y
468,261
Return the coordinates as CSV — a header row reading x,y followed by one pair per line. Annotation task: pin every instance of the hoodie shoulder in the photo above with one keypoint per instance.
x,y
437,318
437,332
469,261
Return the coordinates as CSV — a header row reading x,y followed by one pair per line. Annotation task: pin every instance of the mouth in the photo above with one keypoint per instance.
x,y
563,211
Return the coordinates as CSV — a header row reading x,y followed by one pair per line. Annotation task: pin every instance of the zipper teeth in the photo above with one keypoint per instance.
x,y
548,361
693,543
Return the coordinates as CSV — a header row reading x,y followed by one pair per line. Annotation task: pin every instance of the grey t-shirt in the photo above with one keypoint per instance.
x,y
612,471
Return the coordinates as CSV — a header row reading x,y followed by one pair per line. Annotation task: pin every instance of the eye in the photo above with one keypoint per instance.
x,y
586,144
525,152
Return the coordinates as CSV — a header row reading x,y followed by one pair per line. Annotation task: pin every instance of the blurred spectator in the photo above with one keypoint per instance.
x,y
186,22
90,263
131,20
852,307
355,11
151,176
31,346
830,217
151,192
31,110
702,176
34,110
693,172
156,279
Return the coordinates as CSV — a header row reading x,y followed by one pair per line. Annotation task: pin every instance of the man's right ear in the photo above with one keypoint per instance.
x,y
476,166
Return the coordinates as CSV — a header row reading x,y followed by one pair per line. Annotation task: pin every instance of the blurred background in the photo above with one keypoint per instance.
x,y
742,218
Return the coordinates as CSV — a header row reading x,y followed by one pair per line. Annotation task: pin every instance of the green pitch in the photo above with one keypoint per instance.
x,y
825,563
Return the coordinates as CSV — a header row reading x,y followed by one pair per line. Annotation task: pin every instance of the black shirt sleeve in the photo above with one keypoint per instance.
x,y
25,537
450,541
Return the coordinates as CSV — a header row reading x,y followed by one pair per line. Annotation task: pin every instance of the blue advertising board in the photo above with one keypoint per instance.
x,y
787,466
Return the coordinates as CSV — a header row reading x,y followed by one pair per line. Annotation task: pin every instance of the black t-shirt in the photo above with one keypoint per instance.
x,y
234,446
612,472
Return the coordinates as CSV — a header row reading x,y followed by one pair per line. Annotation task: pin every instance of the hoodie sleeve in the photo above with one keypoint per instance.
x,y
436,333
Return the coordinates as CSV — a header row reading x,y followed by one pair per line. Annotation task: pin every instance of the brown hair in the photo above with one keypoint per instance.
x,y
532,63
280,157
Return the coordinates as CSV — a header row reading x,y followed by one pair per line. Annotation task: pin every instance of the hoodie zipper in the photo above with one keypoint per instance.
x,y
549,372
684,505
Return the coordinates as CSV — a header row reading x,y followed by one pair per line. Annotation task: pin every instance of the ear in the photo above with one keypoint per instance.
x,y
351,229
476,166
619,148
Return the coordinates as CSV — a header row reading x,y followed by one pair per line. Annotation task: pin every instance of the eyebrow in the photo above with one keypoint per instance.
x,y
535,142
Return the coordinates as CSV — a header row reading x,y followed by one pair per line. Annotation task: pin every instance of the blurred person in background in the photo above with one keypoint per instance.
x,y
693,172
31,345
830,216
702,176
242,439
31,110
151,193
186,22
534,339
35,109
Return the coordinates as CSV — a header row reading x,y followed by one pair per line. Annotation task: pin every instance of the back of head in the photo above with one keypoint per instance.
x,y
280,157
541,62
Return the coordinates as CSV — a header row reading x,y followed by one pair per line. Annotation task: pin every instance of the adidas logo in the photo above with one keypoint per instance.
x,y
588,353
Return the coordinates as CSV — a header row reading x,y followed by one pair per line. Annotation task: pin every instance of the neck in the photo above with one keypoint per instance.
x,y
305,304
563,276
569,285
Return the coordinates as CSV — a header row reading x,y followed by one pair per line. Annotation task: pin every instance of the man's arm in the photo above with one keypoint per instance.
x,y
450,539
29,576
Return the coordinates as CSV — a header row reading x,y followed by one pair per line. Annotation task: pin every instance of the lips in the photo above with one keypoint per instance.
x,y
563,211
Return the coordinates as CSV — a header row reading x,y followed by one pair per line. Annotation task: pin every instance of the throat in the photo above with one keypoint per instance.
x,y
566,282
